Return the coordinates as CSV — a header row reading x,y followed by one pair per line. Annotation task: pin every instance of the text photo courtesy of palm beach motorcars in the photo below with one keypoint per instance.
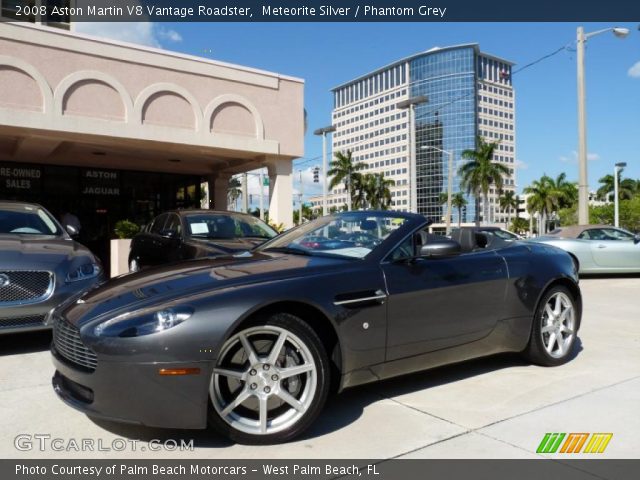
x,y
306,240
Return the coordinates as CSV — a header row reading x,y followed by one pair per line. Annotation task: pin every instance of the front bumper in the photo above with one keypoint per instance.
x,y
135,392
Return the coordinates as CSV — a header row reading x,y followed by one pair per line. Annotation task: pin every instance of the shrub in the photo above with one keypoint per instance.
x,y
126,229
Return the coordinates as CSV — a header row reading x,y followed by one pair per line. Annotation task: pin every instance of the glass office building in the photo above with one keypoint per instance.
x,y
469,94
446,123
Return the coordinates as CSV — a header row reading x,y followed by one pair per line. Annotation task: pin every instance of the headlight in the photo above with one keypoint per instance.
x,y
143,322
84,272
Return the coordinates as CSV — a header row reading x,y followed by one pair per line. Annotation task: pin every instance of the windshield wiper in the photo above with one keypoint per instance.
x,y
292,250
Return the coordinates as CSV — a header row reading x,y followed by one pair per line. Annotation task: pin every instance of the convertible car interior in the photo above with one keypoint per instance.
x,y
471,240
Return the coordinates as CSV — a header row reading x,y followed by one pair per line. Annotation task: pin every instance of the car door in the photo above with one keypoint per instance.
x,y
613,248
144,245
152,253
170,241
436,303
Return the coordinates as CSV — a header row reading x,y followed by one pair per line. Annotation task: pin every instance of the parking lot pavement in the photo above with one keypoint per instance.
x,y
498,407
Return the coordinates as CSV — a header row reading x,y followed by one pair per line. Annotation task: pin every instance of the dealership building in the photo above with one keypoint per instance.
x,y
468,94
111,131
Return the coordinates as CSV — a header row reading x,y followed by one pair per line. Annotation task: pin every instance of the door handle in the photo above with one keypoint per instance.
x,y
602,246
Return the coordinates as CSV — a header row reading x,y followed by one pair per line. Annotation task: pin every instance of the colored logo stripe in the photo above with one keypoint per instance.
x,y
574,442
550,443
598,442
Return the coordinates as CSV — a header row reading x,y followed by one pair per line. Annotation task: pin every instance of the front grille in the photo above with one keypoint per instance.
x,y
20,287
67,342
27,321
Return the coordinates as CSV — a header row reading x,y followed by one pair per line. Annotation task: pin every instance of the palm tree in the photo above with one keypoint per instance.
x,y
458,201
344,170
480,172
378,191
626,187
509,200
234,191
567,192
543,199
360,184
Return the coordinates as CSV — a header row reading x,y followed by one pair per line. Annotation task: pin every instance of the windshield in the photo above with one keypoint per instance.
x,y
504,234
351,235
227,226
27,220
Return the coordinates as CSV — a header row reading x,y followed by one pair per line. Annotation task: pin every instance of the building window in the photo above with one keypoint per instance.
x,y
9,9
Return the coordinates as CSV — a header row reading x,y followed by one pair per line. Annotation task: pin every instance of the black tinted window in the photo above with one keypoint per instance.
x,y
158,224
173,223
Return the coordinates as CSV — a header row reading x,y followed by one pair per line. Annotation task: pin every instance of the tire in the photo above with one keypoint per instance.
x,y
557,317
252,401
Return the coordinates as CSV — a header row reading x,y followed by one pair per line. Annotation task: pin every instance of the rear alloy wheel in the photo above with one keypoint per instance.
x,y
555,328
270,381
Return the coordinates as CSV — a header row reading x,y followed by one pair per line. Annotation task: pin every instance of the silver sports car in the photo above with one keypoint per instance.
x,y
598,248
40,266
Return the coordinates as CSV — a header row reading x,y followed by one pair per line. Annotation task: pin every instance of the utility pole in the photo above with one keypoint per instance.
x,y
323,132
261,202
245,194
300,206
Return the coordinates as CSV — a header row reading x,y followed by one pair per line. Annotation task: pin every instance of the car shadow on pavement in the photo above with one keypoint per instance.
x,y
604,276
201,438
25,342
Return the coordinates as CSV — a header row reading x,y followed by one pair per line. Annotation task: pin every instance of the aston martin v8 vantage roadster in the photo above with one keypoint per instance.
x,y
252,343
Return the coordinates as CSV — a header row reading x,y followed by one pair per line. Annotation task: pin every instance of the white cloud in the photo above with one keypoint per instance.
x,y
522,165
634,71
141,33
170,35
573,158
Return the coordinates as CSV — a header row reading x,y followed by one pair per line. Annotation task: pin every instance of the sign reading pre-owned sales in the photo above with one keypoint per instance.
x,y
19,178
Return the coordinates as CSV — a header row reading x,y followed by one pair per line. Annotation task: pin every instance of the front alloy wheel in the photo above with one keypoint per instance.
x,y
554,328
270,381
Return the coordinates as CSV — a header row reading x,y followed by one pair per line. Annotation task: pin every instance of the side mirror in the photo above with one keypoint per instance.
x,y
72,231
636,238
440,248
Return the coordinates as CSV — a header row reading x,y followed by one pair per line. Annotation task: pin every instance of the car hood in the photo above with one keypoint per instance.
x,y
22,252
160,285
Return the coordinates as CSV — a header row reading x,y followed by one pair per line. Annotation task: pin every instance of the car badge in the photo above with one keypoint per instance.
x,y
4,280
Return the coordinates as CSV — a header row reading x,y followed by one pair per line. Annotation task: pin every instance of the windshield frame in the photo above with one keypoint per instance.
x,y
410,221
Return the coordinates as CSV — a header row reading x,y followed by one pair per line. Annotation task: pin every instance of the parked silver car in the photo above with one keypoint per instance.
x,y
41,266
598,248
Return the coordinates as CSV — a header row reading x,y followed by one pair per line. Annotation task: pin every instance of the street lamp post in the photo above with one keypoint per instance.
x,y
449,183
410,104
583,183
323,131
616,198
261,204
300,206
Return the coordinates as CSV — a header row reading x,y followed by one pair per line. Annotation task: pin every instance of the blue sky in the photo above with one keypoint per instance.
x,y
327,54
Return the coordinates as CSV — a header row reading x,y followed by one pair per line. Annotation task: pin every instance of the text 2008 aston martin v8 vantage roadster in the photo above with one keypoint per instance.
x,y
252,343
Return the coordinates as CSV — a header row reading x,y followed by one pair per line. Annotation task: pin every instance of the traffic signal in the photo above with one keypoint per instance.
x,y
316,175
